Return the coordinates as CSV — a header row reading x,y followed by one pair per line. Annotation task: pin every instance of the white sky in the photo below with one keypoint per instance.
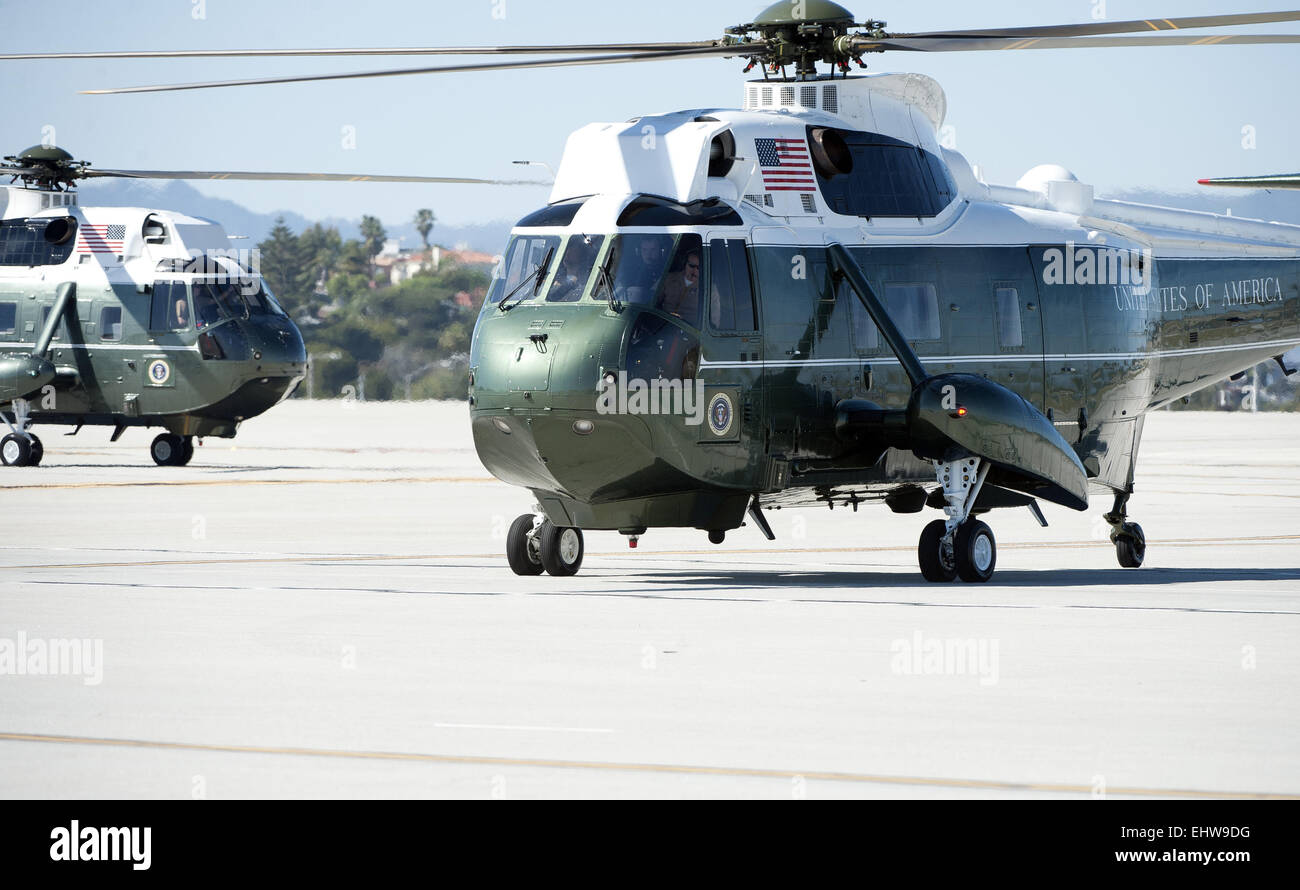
x,y
1119,118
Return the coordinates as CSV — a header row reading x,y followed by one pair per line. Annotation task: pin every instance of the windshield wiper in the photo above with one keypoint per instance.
x,y
602,278
535,277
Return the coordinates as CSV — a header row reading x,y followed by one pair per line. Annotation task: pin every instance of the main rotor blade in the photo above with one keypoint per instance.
x,y
738,50
988,44
1287,181
1092,28
293,177
371,51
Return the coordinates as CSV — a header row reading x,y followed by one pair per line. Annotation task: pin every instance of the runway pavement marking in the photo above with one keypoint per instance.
x,y
504,726
663,768
908,548
178,483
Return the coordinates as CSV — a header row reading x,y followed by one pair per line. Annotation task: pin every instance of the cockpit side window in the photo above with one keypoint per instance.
x,y
170,309
657,270
574,269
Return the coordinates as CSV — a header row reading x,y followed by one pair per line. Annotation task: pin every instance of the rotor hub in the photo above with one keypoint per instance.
x,y
803,33
45,166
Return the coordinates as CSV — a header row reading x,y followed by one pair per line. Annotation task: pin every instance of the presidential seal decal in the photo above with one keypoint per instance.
x,y
159,372
721,414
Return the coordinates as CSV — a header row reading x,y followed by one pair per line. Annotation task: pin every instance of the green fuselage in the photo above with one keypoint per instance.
x,y
1093,357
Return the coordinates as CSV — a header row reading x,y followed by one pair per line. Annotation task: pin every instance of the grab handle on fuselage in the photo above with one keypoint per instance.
x,y
63,296
844,263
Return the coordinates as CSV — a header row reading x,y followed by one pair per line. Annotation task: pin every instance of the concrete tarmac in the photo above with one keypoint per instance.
x,y
322,608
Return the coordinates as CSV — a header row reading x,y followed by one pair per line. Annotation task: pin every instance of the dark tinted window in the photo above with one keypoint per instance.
x,y
649,210
553,215
37,242
8,318
45,316
1010,333
914,309
886,177
731,297
866,336
110,323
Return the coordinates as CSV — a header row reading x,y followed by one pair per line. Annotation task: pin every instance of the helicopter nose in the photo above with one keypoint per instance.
x,y
276,344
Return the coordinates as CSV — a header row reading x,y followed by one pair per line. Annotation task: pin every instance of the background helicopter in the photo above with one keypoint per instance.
x,y
939,329
125,317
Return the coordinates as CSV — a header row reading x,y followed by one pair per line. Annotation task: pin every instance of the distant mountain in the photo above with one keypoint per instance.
x,y
237,219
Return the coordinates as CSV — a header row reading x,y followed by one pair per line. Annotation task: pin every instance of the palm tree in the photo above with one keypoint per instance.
x,y
424,220
372,235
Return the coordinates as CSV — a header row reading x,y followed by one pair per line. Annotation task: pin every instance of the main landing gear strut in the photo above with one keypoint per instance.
x,y
534,545
20,448
960,545
1130,543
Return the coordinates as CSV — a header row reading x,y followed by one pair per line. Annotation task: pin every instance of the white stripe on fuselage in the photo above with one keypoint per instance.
x,y
1023,357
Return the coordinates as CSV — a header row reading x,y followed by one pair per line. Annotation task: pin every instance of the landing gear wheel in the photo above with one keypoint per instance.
x,y
1130,545
561,549
935,565
38,451
523,548
187,451
167,450
16,451
975,550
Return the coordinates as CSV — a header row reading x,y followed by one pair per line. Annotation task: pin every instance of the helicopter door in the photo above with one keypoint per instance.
x,y
731,360
1064,373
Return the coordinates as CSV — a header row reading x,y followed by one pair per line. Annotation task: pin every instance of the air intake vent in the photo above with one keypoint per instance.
x,y
831,99
759,200
1194,337
808,97
767,96
787,95
809,203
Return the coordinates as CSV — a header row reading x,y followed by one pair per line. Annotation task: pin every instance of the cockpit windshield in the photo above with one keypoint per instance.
x,y
575,265
515,276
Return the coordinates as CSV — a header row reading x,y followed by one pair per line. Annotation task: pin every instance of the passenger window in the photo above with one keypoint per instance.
x,y
110,323
1007,304
574,268
45,316
731,297
8,318
170,310
914,309
866,336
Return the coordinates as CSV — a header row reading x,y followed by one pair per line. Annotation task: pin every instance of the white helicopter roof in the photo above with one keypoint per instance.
x,y
667,154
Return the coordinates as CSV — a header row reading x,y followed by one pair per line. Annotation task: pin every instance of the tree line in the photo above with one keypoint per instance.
x,y
367,336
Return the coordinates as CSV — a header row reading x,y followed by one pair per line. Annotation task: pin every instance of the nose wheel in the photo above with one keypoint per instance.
x,y
170,450
960,546
534,545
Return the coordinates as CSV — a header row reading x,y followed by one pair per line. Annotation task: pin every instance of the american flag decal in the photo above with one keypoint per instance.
x,y
93,238
785,165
